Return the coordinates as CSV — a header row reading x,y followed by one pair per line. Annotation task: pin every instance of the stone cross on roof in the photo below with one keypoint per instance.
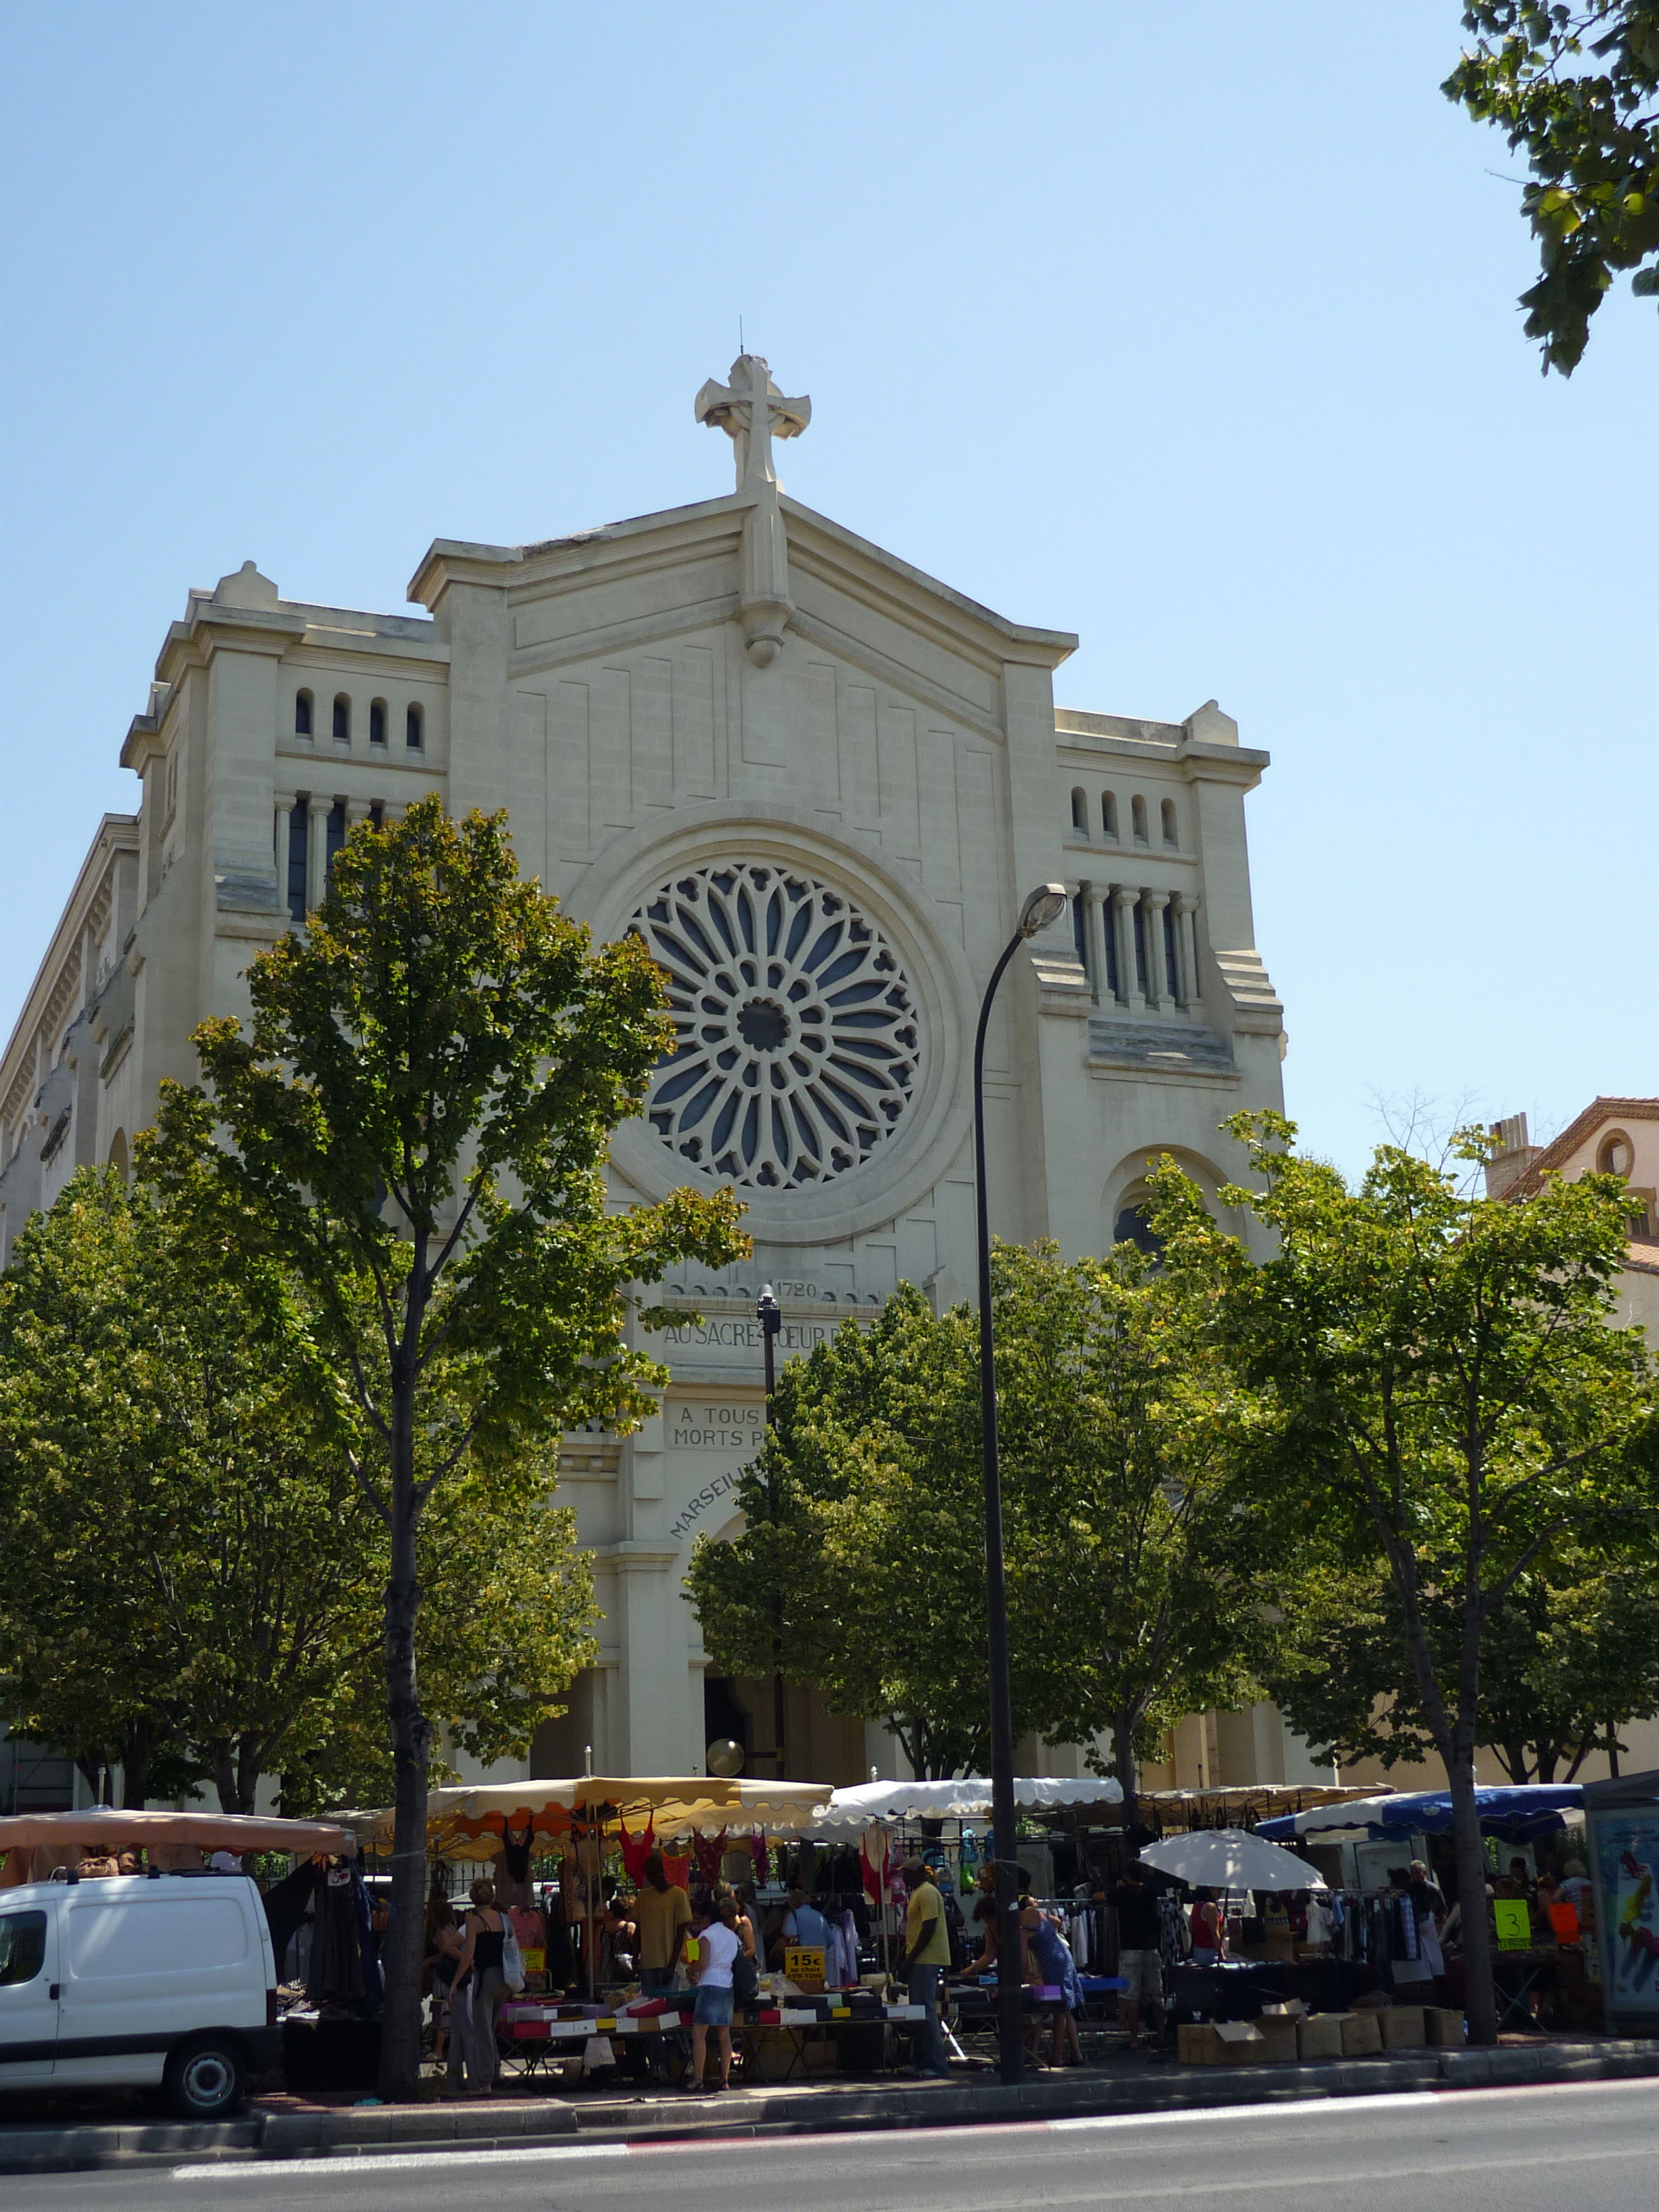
x,y
752,412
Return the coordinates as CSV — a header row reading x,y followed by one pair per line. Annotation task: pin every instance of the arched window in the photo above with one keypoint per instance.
x,y
1108,813
1138,818
1133,1227
302,714
414,730
342,718
377,722
334,835
1168,812
1079,811
1617,1155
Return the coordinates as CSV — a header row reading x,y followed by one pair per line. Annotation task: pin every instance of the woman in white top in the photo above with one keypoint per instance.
x,y
718,1945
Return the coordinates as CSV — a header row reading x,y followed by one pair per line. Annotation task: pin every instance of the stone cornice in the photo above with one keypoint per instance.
x,y
210,628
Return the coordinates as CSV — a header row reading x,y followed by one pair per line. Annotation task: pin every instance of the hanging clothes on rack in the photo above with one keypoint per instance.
x,y
872,1862
757,1853
636,1850
841,1965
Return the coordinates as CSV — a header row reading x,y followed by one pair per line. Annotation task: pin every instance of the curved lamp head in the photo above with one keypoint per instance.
x,y
1045,904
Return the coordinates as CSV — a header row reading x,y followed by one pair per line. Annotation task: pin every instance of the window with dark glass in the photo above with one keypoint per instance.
x,y
334,836
414,730
302,714
299,838
22,1947
1168,812
1079,930
1108,813
1140,950
1131,1227
1079,812
1112,982
342,718
1171,965
377,722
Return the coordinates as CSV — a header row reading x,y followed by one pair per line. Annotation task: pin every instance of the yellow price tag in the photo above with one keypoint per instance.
x,y
1513,1917
804,1962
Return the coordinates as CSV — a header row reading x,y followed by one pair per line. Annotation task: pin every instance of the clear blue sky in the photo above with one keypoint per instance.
x,y
1191,330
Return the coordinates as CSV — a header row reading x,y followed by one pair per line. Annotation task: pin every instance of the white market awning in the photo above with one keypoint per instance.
x,y
968,1797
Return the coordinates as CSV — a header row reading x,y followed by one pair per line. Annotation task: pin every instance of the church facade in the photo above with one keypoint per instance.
x,y
820,783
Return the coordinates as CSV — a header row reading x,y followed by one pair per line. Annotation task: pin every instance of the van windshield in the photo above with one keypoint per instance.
x,y
22,1946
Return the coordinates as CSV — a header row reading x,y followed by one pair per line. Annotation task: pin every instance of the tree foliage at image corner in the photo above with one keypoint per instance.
x,y
1577,88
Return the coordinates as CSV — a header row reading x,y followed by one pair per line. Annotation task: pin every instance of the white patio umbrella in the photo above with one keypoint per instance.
x,y
1229,1858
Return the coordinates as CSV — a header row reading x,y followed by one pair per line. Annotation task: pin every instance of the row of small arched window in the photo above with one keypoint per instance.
x,y
305,721
1082,824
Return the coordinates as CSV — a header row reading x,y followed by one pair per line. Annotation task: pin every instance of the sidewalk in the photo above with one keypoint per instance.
x,y
292,2127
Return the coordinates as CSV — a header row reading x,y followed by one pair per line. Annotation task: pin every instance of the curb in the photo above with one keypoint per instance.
x,y
355,2129
1174,2089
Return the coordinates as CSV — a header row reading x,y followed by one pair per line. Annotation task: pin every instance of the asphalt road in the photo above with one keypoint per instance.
x,y
1593,2148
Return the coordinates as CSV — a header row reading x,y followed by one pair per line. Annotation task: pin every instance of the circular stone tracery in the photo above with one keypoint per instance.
x,y
796,1052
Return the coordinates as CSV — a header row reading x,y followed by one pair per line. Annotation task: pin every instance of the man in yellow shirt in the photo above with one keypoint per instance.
x,y
662,1913
927,1953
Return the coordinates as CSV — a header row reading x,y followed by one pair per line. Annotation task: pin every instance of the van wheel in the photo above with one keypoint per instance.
x,y
204,2080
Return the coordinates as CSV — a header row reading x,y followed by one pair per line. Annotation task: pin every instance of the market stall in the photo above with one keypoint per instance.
x,y
36,1844
702,1824
1543,1963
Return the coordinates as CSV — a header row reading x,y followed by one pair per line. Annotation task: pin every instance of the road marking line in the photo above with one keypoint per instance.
x,y
437,2155
1390,2100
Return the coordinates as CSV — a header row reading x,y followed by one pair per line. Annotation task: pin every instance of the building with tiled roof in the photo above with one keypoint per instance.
x,y
1611,1136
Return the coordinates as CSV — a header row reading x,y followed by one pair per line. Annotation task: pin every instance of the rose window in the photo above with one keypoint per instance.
x,y
795,1057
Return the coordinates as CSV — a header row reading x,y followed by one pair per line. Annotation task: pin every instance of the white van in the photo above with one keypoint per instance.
x,y
163,1982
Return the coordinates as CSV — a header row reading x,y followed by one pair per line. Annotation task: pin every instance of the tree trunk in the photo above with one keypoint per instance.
x,y
234,1763
1470,1855
223,1770
136,1755
412,1748
1123,1758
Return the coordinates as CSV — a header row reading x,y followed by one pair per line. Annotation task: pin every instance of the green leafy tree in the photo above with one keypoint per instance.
x,y
182,1569
1578,87
1131,1566
506,1622
861,1563
419,1119
1457,1409
190,1580
1572,1658
1127,1430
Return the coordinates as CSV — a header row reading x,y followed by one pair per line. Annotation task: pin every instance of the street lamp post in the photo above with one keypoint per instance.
x,y
768,1314
1044,906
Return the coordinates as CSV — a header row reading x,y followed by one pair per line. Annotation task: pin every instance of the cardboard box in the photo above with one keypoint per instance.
x,y
1442,2028
1362,2034
1291,2009
1278,2038
1320,2035
1403,2028
1221,2042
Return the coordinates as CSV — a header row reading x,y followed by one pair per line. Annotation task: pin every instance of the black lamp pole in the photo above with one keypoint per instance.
x,y
1044,907
770,1317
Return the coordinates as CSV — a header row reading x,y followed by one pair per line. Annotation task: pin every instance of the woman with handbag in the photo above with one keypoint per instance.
x,y
489,1949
